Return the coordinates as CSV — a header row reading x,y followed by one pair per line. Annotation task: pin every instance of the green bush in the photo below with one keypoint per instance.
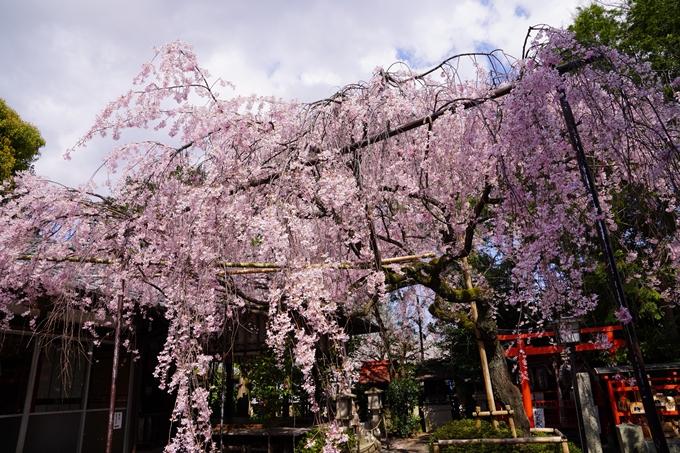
x,y
467,429
315,440
402,397
272,385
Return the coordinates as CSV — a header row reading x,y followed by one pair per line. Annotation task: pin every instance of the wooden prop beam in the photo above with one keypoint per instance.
x,y
242,267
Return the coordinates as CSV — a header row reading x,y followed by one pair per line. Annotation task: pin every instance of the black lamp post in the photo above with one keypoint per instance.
x,y
615,283
568,335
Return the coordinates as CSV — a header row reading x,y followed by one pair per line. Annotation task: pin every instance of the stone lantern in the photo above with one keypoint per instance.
x,y
345,410
374,403
374,398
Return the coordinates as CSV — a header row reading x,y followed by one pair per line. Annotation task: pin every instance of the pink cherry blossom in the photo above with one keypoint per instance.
x,y
253,203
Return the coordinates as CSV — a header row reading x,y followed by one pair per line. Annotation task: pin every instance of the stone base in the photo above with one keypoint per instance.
x,y
631,440
673,445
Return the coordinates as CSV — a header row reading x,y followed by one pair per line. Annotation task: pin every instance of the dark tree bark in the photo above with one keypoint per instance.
x,y
431,274
504,390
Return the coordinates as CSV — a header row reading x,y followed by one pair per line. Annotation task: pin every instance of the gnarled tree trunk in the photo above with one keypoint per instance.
x,y
504,390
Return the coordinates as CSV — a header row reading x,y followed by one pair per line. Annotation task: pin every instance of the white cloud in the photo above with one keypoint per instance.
x,y
63,61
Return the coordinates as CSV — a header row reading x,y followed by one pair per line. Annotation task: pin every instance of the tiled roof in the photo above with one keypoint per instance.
x,y
374,372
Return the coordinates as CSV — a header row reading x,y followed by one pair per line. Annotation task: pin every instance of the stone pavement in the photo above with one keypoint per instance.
x,y
414,445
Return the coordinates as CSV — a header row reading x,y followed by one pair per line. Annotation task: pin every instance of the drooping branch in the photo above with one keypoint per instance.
x,y
451,107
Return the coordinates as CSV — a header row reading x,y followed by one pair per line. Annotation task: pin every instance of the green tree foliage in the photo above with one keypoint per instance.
x,y
273,385
647,29
19,142
402,397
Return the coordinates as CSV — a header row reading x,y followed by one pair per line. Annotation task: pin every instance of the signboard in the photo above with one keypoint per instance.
x,y
117,420
539,417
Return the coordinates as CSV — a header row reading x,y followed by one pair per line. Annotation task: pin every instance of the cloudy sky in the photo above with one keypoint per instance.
x,y
62,61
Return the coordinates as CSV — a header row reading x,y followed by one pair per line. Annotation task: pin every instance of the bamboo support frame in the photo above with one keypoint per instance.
x,y
559,438
493,413
482,351
68,259
511,420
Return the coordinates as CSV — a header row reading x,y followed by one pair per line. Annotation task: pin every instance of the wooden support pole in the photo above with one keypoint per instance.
x,y
556,438
480,413
511,420
240,267
480,344
496,440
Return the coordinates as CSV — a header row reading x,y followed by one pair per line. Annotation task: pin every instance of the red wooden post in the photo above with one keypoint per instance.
x,y
612,401
524,378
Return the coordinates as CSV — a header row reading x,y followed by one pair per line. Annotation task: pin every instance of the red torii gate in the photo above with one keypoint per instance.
x,y
521,350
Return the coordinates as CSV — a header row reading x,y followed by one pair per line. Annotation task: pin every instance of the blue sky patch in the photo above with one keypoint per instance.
x,y
483,46
405,55
521,12
271,69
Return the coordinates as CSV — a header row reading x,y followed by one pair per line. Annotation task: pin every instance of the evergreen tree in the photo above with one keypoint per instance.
x,y
20,142
646,29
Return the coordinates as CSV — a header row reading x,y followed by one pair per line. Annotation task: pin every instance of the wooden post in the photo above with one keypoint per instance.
x,y
114,371
480,345
565,445
435,447
511,421
613,401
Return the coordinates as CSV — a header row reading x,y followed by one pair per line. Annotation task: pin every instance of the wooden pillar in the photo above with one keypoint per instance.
x,y
612,401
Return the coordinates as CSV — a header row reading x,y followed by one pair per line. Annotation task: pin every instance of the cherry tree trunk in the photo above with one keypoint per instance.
x,y
504,390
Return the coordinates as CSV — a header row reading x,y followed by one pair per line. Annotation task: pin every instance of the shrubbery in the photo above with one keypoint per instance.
x,y
467,429
402,396
315,440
